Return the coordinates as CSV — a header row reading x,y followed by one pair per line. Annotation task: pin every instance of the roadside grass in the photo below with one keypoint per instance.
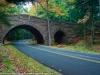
x,y
6,66
81,49
25,64
81,46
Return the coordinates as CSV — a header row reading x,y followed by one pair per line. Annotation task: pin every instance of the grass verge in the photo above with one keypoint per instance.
x,y
84,49
81,46
25,64
6,66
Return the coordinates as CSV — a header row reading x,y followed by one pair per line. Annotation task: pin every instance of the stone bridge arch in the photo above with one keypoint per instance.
x,y
59,37
39,25
33,30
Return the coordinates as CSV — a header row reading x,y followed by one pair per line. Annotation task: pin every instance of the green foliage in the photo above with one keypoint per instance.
x,y
57,10
3,18
86,15
97,41
3,15
9,65
19,34
87,6
17,9
5,65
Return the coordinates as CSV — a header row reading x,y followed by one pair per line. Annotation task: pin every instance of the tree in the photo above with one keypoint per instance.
x,y
82,12
3,16
88,16
21,35
33,11
57,10
17,9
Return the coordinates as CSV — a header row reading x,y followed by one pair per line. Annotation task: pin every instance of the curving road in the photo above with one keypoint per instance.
x,y
64,61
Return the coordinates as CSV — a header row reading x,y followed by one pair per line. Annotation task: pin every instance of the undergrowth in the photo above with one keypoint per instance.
x,y
81,46
6,67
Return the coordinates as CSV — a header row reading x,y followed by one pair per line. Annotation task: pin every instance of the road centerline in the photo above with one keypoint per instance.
x,y
90,60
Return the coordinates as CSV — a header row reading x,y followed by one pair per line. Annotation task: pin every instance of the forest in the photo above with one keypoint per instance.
x,y
20,53
85,14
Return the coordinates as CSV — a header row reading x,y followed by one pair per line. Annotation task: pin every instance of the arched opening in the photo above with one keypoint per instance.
x,y
58,37
38,36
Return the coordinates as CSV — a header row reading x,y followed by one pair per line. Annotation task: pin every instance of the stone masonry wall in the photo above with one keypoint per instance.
x,y
40,25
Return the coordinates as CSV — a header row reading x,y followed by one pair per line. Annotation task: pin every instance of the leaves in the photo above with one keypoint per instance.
x,y
32,11
3,15
22,34
3,18
56,9
3,3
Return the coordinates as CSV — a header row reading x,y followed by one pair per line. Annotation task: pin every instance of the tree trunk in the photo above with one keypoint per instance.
x,y
92,27
48,24
92,35
84,32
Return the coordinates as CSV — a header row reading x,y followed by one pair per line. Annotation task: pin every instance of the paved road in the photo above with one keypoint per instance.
x,y
64,61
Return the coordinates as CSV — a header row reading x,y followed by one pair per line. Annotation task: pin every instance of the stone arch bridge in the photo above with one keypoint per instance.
x,y
59,32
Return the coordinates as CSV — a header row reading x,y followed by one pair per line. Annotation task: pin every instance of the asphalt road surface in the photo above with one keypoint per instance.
x,y
64,61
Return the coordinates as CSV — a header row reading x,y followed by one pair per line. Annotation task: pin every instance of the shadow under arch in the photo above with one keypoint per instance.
x,y
58,37
33,30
